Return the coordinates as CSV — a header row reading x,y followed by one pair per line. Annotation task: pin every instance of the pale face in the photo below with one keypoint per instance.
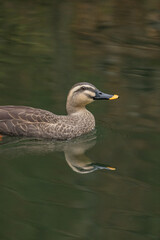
x,y
81,95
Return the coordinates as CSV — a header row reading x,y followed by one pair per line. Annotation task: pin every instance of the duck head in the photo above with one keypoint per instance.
x,y
84,93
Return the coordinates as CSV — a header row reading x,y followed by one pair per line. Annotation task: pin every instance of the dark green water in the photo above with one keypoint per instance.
x,y
46,47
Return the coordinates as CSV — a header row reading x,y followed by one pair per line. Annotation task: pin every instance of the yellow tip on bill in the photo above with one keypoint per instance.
x,y
111,168
114,97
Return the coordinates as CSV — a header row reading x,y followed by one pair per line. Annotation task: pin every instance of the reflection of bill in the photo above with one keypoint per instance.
x,y
74,150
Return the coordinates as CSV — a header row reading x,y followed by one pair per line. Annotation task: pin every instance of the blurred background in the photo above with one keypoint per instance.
x,y
46,46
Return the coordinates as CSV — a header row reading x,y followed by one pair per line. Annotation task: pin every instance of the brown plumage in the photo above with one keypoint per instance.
x,y
33,122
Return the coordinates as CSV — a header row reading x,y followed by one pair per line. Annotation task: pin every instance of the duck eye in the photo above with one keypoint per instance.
x,y
83,88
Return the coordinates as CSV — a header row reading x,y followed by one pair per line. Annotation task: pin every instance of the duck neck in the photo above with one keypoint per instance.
x,y
75,109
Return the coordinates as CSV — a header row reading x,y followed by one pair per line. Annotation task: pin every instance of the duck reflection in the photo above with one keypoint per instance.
x,y
74,150
78,161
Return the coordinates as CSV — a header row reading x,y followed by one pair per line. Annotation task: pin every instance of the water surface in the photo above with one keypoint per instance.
x,y
48,189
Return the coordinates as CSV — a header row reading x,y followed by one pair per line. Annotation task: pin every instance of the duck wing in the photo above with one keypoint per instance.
x,y
24,121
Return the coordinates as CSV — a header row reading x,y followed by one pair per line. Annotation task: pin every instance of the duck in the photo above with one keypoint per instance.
x,y
24,121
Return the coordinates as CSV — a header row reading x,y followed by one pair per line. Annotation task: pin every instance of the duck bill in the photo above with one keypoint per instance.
x,y
104,96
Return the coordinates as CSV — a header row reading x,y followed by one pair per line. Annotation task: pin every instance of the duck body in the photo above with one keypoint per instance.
x,y
33,122
38,123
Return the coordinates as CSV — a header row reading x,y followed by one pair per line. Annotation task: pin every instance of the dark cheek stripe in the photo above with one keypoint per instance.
x,y
89,96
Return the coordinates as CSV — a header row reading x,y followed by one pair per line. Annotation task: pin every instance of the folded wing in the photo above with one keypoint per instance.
x,y
24,121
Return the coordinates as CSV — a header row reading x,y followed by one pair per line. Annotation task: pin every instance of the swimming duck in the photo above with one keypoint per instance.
x,y
38,123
